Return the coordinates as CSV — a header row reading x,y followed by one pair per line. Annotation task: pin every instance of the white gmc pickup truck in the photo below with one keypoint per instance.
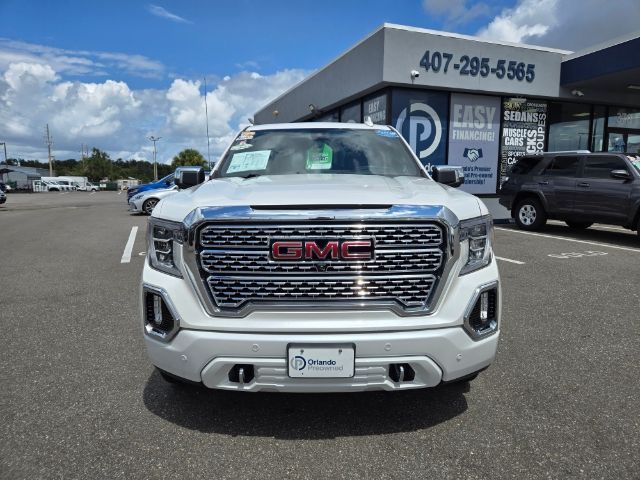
x,y
320,257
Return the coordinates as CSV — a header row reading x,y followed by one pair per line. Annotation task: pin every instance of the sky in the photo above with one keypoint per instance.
x,y
110,74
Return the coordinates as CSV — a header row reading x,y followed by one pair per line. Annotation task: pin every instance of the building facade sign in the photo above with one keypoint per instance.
x,y
430,60
376,109
474,140
422,119
524,125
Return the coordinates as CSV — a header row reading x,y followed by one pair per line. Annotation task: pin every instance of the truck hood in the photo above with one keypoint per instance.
x,y
318,190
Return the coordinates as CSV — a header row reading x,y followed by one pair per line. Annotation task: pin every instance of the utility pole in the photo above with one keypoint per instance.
x,y
206,112
49,141
155,163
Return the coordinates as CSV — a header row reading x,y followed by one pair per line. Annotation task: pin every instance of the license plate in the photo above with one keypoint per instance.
x,y
321,361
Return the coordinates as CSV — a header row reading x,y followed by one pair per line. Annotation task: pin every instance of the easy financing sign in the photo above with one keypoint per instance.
x,y
474,140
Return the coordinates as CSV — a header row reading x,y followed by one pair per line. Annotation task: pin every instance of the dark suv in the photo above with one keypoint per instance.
x,y
578,188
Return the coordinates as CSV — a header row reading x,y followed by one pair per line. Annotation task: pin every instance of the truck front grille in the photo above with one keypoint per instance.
x,y
237,270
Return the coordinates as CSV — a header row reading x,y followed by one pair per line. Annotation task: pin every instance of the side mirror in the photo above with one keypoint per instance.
x,y
187,177
452,176
621,174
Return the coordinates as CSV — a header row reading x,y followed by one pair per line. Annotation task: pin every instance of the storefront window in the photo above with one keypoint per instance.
x,y
597,140
421,116
623,132
328,117
351,113
568,126
376,109
627,118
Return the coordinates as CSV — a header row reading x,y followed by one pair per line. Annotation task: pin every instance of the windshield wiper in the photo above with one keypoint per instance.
x,y
250,175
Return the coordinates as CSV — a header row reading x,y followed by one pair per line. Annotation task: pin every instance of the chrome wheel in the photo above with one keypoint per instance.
x,y
527,214
149,205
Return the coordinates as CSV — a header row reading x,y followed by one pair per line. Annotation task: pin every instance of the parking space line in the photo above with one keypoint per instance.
x,y
595,227
599,244
517,262
126,255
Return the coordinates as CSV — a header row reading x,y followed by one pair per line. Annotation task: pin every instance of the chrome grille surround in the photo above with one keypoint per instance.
x,y
227,259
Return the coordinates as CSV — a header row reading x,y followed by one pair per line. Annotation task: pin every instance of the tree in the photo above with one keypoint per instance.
x,y
189,157
97,166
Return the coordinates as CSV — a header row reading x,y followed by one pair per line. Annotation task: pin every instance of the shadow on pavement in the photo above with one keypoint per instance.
x,y
303,416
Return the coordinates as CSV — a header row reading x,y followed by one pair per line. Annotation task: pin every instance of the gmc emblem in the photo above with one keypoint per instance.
x,y
319,250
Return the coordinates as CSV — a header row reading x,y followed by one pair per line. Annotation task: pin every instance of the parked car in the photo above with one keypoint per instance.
x,y
145,202
164,183
3,197
576,187
87,187
5,187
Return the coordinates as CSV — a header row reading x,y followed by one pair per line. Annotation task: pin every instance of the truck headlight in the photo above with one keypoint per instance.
x,y
164,239
476,235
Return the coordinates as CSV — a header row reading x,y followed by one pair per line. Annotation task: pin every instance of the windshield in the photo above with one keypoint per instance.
x,y
318,151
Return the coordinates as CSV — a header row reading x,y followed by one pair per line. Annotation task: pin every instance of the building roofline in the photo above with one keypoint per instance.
x,y
604,45
441,33
395,26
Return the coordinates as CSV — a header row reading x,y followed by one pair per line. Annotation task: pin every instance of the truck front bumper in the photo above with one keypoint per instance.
x,y
435,355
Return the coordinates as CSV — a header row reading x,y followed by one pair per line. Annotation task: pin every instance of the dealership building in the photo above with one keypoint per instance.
x,y
475,103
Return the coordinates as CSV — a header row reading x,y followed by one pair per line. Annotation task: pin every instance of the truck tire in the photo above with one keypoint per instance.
x,y
149,205
578,225
529,214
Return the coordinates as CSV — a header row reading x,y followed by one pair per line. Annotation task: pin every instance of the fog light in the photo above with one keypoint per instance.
x,y
157,309
481,318
484,306
159,320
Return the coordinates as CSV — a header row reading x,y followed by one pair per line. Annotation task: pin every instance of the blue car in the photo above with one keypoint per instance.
x,y
165,182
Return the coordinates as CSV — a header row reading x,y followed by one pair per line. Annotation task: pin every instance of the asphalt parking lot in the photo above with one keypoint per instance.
x,y
79,399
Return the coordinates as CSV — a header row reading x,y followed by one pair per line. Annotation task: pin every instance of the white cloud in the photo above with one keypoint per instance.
x,y
111,116
456,12
567,24
161,12
77,62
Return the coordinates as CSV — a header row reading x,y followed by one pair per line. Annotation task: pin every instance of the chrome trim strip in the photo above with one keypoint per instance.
x,y
242,214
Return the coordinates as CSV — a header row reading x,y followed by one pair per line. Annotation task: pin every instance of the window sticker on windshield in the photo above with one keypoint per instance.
x,y
386,133
246,135
320,158
245,161
241,146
